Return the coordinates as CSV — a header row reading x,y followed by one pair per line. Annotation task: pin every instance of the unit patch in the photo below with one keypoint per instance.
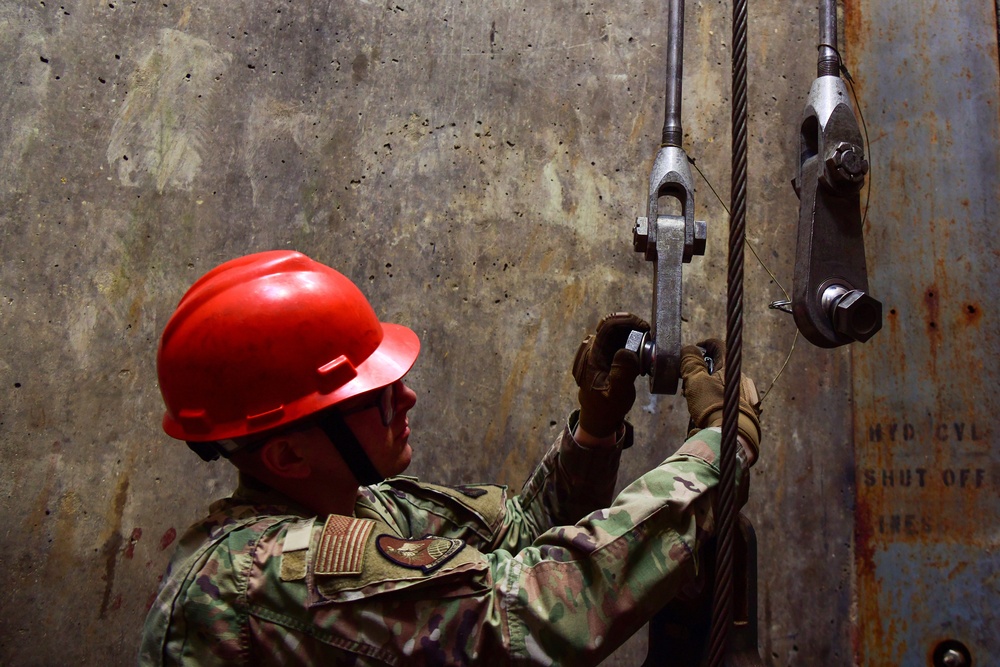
x,y
425,555
341,547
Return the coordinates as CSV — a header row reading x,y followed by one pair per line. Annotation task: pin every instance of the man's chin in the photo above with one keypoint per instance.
x,y
403,462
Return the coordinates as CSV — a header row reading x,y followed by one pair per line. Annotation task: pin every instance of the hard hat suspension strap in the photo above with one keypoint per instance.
x,y
340,434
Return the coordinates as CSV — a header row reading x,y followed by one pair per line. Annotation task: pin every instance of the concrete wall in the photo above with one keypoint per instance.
x,y
475,167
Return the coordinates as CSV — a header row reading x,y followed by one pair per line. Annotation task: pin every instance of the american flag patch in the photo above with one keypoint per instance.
x,y
342,545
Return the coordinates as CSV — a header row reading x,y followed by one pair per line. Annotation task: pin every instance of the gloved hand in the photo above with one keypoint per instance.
x,y
605,372
704,393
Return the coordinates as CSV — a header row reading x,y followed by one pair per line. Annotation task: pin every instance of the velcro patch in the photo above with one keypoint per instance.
x,y
698,449
425,555
293,566
293,550
297,536
341,549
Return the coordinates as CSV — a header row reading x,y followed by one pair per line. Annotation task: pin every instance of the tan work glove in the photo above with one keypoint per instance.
x,y
704,393
605,372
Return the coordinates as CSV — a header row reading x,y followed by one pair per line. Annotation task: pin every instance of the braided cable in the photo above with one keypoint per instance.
x,y
722,608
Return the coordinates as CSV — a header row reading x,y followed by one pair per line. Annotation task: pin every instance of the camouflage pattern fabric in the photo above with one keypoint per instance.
x,y
560,574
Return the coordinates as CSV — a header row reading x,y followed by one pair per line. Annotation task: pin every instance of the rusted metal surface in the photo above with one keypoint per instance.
x,y
925,401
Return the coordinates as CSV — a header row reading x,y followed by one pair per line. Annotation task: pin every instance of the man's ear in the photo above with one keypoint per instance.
x,y
283,456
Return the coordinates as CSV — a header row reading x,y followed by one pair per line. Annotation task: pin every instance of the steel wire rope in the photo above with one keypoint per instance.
x,y
725,506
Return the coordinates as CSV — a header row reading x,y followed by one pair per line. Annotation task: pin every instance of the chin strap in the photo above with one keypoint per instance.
x,y
332,424
340,434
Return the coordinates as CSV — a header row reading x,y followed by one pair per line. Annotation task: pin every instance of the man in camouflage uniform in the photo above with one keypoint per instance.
x,y
279,364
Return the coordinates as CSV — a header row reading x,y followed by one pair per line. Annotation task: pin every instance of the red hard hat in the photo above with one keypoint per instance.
x,y
267,339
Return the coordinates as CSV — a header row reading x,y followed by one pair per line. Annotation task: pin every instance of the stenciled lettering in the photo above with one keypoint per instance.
x,y
959,478
964,477
904,524
903,431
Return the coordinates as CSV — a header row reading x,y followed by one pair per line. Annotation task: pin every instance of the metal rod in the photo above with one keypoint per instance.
x,y
829,59
673,134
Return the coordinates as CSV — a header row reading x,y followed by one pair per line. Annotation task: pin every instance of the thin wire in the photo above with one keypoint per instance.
x,y
774,278
864,126
781,370
868,146
745,240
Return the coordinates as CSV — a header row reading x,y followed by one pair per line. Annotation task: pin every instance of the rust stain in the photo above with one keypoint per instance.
x,y
892,319
152,596
972,314
135,311
854,23
130,547
932,304
513,465
931,300
168,538
113,543
638,123
864,532
40,510
61,558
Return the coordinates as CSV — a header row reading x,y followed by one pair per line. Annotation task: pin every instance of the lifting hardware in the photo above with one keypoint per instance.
x,y
830,299
668,240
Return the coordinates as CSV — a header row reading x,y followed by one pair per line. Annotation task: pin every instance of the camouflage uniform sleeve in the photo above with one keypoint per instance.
x,y
198,616
584,589
569,482
351,591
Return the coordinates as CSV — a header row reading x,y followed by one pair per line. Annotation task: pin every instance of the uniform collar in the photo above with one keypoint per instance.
x,y
253,493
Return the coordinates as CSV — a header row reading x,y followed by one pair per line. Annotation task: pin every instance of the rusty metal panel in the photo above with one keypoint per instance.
x,y
925,401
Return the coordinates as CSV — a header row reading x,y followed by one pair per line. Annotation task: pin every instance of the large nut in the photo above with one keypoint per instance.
x,y
847,163
857,316
642,344
700,237
640,234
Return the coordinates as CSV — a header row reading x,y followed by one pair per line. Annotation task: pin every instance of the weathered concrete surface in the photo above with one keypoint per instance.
x,y
475,168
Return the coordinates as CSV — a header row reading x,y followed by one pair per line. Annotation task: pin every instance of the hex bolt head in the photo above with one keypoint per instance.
x,y
857,316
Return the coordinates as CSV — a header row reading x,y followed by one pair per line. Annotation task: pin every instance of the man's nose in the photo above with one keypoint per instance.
x,y
406,398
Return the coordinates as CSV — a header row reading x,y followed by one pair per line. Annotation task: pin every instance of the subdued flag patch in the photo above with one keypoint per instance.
x,y
341,547
426,555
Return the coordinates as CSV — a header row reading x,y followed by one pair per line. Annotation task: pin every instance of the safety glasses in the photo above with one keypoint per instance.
x,y
384,400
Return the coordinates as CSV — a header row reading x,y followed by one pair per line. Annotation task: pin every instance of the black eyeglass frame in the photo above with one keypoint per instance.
x,y
384,400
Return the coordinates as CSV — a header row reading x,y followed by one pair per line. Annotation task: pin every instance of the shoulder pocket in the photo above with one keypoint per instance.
x,y
480,507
